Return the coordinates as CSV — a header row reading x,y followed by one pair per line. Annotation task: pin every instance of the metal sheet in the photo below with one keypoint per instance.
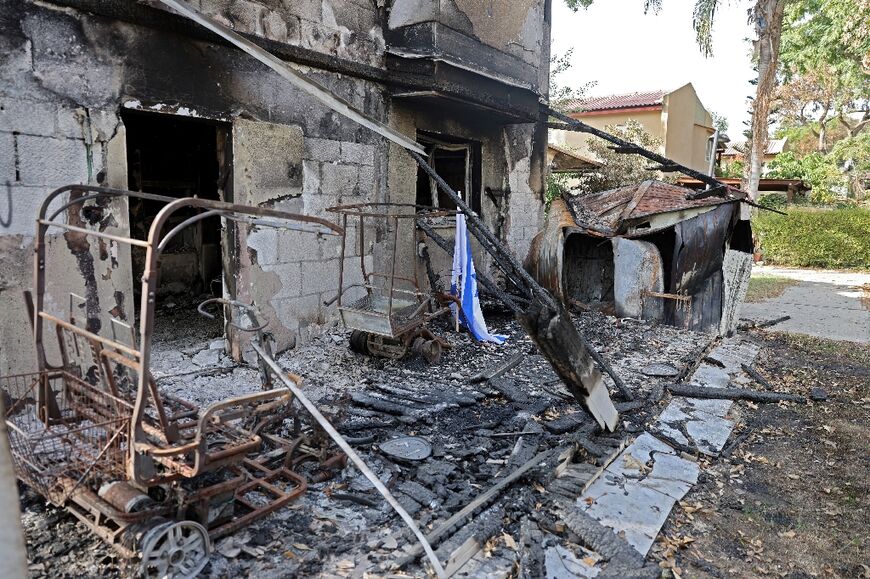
x,y
697,266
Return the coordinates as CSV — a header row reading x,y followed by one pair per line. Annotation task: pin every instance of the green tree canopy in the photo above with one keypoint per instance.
x,y
619,169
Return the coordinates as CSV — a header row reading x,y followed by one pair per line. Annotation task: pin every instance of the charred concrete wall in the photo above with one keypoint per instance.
x,y
59,124
503,38
68,69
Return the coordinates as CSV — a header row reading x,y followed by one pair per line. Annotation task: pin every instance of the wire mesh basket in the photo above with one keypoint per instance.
x,y
64,433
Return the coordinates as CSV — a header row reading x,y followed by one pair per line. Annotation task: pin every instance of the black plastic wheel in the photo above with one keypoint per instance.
x,y
358,342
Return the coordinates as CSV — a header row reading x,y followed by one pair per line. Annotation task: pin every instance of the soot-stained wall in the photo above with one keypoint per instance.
x,y
66,73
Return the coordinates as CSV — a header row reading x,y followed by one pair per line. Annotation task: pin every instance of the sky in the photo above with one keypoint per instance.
x,y
625,50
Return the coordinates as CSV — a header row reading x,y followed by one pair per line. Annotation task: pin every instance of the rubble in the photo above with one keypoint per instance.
x,y
465,460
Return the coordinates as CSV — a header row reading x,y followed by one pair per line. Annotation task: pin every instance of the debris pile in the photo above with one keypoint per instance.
x,y
489,452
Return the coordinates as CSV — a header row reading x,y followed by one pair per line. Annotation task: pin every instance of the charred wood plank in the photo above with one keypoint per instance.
x,y
507,388
690,391
737,441
380,404
358,499
532,552
551,329
480,502
497,370
753,373
567,423
600,539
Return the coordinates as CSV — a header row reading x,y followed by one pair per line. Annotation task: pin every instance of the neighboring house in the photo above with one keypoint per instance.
x,y
677,118
737,152
129,94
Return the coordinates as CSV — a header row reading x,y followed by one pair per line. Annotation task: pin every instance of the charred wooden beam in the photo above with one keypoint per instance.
x,y
753,373
546,320
479,503
550,327
497,370
690,391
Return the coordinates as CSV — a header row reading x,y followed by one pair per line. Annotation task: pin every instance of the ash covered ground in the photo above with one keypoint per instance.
x,y
343,527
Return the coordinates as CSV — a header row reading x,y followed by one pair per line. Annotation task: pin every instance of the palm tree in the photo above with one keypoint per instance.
x,y
766,16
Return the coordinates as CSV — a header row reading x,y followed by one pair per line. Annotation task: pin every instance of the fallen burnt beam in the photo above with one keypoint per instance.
x,y
715,187
690,391
497,370
753,373
546,320
751,324
480,502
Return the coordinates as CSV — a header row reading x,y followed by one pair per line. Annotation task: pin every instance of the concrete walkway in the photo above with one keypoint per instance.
x,y
824,303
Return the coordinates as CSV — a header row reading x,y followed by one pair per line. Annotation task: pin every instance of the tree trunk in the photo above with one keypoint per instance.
x,y
767,16
823,139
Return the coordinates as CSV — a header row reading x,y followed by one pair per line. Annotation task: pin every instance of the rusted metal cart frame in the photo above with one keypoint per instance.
x,y
386,324
124,458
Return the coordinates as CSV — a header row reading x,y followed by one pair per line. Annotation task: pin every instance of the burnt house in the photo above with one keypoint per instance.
x,y
646,251
133,96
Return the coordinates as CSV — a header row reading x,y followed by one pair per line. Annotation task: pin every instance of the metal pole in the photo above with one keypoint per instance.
x,y
354,457
13,552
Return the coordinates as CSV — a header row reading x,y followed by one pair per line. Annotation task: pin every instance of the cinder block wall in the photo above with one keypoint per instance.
x,y
65,76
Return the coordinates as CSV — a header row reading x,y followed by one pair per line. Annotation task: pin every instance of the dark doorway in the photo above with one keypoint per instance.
x,y
178,157
588,270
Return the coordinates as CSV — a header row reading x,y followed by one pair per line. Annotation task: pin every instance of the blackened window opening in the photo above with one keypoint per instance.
x,y
457,161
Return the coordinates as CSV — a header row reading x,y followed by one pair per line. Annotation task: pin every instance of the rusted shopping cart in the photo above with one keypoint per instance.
x,y
389,317
153,474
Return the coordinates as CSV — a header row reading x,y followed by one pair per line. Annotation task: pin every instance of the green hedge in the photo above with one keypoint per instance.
x,y
813,237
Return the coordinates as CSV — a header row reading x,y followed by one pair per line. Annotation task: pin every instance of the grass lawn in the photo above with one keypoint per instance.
x,y
764,287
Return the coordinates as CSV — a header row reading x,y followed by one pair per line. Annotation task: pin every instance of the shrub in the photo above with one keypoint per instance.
x,y
811,237
774,201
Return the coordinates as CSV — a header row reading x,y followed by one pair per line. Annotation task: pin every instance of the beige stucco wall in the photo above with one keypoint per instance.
x,y
579,142
682,124
687,127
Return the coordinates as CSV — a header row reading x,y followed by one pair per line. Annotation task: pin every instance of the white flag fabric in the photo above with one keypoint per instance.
x,y
463,283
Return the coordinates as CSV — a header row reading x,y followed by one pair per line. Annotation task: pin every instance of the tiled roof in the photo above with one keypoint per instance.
x,y
774,147
614,102
605,210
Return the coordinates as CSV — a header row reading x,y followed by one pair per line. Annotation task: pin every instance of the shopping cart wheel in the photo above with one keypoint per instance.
x,y
175,550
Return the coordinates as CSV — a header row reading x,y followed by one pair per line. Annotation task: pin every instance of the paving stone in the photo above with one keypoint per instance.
x,y
628,507
734,352
712,406
560,563
707,432
710,376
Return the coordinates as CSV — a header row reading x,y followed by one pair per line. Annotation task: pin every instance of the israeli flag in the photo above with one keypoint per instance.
x,y
463,283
